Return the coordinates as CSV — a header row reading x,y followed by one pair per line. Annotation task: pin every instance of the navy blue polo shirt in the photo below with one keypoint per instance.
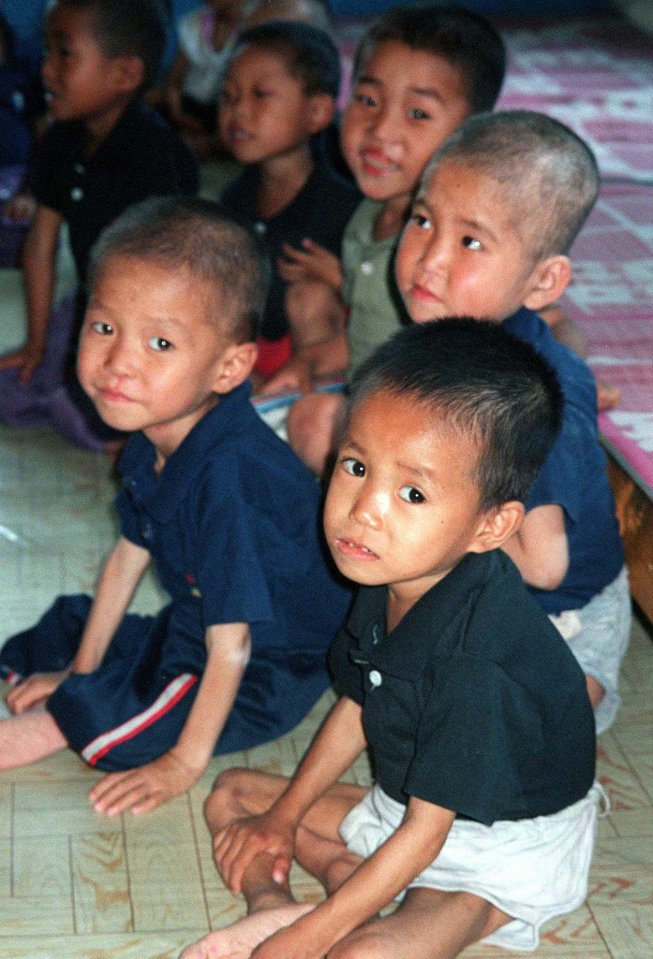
x,y
473,702
320,211
574,475
233,524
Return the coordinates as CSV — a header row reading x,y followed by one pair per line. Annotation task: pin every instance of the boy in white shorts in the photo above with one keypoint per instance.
x,y
482,816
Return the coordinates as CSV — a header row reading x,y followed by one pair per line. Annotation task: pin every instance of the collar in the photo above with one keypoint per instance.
x,y
162,495
436,619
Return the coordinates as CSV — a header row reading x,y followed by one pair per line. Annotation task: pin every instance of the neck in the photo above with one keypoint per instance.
x,y
281,179
392,217
98,128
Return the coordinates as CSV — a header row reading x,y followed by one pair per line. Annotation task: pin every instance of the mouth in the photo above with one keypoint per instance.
x,y
377,163
422,294
112,397
350,549
238,135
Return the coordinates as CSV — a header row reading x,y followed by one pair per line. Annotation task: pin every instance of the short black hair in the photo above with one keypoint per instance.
x,y
481,382
465,39
308,52
549,173
190,233
136,28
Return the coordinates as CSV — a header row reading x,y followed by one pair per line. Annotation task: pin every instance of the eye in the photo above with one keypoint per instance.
x,y
471,243
417,114
104,329
365,99
160,344
262,94
353,466
411,494
420,220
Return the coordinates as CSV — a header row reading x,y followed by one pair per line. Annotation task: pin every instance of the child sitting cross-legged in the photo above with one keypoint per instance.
x,y
481,819
488,236
279,91
224,507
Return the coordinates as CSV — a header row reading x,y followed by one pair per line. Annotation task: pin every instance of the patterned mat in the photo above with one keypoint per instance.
x,y
596,75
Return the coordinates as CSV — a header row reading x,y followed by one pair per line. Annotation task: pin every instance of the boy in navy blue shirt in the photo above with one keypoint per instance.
x,y
226,510
498,209
481,819
105,151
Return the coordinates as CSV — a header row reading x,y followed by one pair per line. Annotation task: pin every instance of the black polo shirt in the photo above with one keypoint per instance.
x,y
474,702
141,157
320,212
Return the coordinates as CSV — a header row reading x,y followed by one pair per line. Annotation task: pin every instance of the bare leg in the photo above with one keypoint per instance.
x,y
595,690
315,313
29,737
429,924
314,426
269,904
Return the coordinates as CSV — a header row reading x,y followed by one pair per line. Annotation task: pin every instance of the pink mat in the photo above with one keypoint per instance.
x,y
596,75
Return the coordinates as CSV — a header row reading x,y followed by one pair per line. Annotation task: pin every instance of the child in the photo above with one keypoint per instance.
x,y
223,506
105,151
418,73
488,235
205,37
279,91
474,710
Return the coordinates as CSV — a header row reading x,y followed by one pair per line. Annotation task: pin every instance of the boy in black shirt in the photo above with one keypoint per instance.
x,y
481,820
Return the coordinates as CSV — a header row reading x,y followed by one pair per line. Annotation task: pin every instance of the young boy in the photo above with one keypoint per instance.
x,y
481,819
105,151
223,506
279,91
418,73
488,236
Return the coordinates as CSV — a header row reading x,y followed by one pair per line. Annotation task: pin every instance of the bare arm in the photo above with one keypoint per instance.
x,y
39,271
378,879
539,549
116,584
318,361
143,789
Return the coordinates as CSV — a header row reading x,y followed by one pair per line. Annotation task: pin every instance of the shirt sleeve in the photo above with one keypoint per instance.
x,y
128,519
478,744
347,675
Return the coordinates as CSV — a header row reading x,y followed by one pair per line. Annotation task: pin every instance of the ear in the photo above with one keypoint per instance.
x,y
129,73
234,367
497,526
547,282
321,111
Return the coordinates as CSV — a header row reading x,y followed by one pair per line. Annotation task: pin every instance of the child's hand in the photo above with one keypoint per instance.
x,y
312,262
294,377
235,847
34,691
26,359
607,396
20,209
143,789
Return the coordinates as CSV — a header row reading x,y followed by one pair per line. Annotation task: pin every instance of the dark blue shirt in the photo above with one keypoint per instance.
x,y
574,476
233,525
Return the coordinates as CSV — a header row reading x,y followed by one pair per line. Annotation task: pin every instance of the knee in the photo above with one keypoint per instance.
x,y
226,795
367,946
313,427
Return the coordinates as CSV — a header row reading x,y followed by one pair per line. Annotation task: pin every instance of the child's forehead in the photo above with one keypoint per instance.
x,y
414,61
262,61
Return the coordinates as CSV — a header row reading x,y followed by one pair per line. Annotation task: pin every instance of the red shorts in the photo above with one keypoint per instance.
x,y
272,355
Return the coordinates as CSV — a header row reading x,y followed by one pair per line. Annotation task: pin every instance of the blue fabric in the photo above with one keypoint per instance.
x,y
232,524
574,475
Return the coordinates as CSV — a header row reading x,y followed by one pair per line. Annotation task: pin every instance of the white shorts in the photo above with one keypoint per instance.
x,y
598,636
531,869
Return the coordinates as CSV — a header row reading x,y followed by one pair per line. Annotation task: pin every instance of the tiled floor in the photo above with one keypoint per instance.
x,y
75,885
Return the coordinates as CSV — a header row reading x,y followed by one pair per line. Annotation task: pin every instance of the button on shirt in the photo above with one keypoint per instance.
x,y
473,702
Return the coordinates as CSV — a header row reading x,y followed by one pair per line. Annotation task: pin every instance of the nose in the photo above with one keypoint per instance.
x,y
370,506
383,125
118,358
435,254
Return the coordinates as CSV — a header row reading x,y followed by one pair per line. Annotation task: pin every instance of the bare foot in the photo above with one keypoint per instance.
x,y
29,737
239,940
